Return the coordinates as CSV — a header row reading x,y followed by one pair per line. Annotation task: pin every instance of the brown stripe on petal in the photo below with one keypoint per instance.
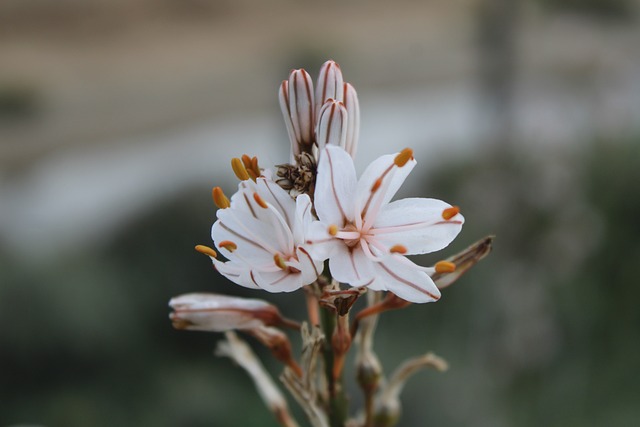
x,y
305,253
408,283
333,186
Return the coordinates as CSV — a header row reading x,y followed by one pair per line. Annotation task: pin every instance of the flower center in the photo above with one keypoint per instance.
x,y
351,228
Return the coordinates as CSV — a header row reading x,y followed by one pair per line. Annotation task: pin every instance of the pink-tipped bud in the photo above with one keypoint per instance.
x,y
221,313
330,84
301,106
332,125
353,119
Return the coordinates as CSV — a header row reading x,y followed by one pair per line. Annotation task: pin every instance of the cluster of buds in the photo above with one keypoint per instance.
x,y
330,114
314,225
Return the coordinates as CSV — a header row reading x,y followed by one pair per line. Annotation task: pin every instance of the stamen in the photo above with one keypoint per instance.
x,y
260,201
279,262
252,175
376,185
228,245
445,267
254,165
239,169
333,229
206,250
449,213
246,161
398,249
403,157
220,199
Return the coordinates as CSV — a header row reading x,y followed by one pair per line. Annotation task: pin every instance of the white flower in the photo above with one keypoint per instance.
x,y
262,235
365,236
220,313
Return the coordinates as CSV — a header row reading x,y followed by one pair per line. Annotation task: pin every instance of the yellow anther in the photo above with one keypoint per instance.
x,y
260,201
398,249
254,164
445,267
279,262
239,169
228,245
333,229
449,213
376,185
220,199
206,250
403,157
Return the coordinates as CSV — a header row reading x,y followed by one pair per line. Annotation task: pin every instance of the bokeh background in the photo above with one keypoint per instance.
x,y
118,116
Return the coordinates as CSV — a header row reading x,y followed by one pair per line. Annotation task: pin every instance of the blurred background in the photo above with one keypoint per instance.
x,y
118,116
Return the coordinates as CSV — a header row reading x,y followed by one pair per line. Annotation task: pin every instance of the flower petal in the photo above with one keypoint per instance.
x,y
406,280
276,196
237,273
351,266
303,218
253,239
369,202
279,281
309,268
335,186
417,224
319,243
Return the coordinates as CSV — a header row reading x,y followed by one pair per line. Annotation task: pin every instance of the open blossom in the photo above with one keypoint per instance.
x,y
366,236
261,234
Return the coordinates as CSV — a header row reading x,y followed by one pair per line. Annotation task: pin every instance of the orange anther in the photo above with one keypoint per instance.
x,y
206,250
220,199
239,169
449,213
228,245
246,160
333,229
398,249
260,201
403,157
445,267
279,262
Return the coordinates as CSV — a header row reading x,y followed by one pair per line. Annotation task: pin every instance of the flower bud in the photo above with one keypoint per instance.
x,y
220,313
353,119
299,91
330,85
283,97
332,125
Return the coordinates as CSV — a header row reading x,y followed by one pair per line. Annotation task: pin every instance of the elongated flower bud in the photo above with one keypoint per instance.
x,y
283,97
353,119
296,102
330,84
220,313
332,125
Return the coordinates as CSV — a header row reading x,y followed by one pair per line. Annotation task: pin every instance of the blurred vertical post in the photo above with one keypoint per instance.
x,y
497,30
